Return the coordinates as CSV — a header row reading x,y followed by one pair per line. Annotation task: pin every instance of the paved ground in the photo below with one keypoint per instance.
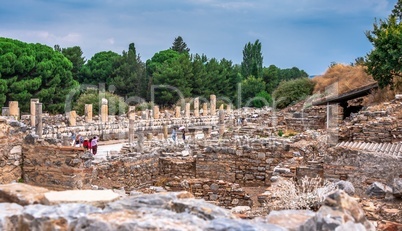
x,y
105,148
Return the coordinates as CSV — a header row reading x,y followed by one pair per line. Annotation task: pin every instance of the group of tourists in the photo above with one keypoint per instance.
x,y
90,144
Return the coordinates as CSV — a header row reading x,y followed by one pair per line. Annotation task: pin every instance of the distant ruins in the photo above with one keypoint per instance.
x,y
222,161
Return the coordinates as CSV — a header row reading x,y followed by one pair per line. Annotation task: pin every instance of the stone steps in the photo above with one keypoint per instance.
x,y
390,149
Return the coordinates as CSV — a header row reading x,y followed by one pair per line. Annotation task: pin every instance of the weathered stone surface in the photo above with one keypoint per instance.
x,y
22,194
397,187
290,219
338,209
56,217
97,198
346,186
10,215
378,190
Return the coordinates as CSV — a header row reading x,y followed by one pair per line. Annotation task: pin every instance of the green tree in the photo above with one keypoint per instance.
x,y
115,103
179,45
292,91
171,74
34,71
129,74
384,62
250,88
252,60
74,54
262,99
200,75
271,78
99,68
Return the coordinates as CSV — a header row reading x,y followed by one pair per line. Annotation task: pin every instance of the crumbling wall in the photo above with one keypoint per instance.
x,y
55,167
222,193
10,152
130,172
181,167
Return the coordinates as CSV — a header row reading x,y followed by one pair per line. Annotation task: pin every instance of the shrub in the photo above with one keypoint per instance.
x,y
308,193
262,99
292,91
116,104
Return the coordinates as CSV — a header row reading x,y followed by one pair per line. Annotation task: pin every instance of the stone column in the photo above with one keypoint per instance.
x,y
131,134
187,113
144,114
204,109
14,109
140,142
72,118
165,131
213,104
221,122
104,111
131,113
88,113
156,112
178,112
5,111
197,107
38,120
221,107
228,109
33,111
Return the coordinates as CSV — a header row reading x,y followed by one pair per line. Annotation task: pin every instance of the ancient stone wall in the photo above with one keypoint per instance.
x,y
181,167
380,124
251,164
11,139
222,193
55,167
130,172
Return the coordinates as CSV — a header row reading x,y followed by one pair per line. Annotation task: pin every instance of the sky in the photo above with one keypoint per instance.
x,y
307,34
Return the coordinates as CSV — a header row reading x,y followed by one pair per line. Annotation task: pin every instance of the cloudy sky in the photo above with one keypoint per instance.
x,y
308,34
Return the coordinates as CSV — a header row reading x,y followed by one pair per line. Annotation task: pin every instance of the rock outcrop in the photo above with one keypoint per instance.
x,y
161,211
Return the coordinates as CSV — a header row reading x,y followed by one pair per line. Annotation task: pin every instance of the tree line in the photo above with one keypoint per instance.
x,y
30,70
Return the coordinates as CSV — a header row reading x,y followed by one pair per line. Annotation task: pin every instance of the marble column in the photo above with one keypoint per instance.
x,y
204,109
165,131
14,109
229,108
38,120
187,113
104,111
131,134
213,104
156,112
221,122
178,112
72,118
197,107
33,111
88,113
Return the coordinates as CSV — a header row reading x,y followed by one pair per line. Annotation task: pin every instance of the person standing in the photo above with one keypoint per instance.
x,y
94,145
174,135
184,136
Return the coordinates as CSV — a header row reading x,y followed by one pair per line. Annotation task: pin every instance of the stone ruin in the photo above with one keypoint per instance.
x,y
226,163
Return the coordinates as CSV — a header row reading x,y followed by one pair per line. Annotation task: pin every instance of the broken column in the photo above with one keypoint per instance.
x,y
197,107
104,111
187,111
177,114
33,111
72,118
221,122
228,108
131,113
5,111
165,131
156,112
14,109
204,109
88,113
140,142
213,104
38,119
131,124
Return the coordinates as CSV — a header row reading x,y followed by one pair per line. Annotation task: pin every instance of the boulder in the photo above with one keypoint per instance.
x,y
346,186
98,198
339,209
22,194
378,190
397,187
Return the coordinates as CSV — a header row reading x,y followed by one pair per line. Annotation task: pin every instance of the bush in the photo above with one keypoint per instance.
x,y
116,104
262,99
292,91
308,193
